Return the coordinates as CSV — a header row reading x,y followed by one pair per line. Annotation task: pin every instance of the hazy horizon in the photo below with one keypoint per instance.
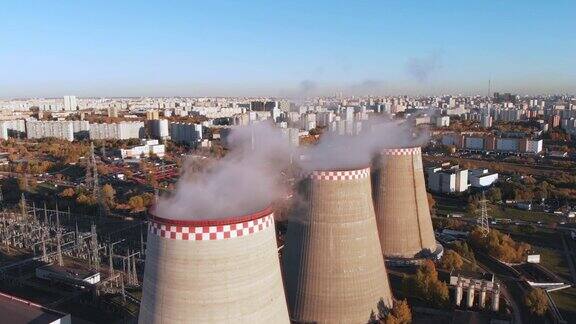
x,y
294,49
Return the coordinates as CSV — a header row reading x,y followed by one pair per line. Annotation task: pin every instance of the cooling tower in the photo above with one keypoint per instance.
x,y
333,265
401,205
213,271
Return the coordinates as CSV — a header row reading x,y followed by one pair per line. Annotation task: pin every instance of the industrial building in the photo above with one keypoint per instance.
x,y
333,264
57,129
18,310
213,271
148,147
401,205
447,179
75,276
480,178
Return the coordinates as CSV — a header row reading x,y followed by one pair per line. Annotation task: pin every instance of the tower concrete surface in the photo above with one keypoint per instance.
x,y
213,271
401,205
333,266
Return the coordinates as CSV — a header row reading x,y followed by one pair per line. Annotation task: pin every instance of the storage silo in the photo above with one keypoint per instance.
x,y
213,271
401,206
333,266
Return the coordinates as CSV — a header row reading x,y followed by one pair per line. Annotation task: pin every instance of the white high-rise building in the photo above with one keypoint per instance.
x,y
70,103
186,133
159,128
12,128
57,129
123,130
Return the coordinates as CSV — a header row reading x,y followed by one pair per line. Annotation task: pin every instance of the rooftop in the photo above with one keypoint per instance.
x,y
16,310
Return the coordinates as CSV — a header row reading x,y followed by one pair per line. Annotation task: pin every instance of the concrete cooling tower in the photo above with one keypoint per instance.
x,y
213,271
333,266
401,206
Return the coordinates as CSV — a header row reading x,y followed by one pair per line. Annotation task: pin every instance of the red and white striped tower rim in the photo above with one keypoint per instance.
x,y
336,175
402,151
211,229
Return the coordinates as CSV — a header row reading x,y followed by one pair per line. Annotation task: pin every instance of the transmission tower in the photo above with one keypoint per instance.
x,y
95,184
96,192
484,223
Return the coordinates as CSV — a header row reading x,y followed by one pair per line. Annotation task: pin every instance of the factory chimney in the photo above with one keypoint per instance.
x,y
401,206
213,271
333,265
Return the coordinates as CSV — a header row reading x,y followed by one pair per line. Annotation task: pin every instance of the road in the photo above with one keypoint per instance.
x,y
513,288
569,246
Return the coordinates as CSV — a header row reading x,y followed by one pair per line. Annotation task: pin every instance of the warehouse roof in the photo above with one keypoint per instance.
x,y
17,310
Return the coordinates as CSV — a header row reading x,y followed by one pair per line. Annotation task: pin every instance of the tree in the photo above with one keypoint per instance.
x,y
471,207
500,246
464,250
390,319
431,201
23,183
429,269
494,195
536,301
438,293
373,319
68,193
136,203
383,310
451,261
84,200
427,285
108,193
401,311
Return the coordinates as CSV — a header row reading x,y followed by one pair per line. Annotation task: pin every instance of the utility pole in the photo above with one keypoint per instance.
x,y
58,238
94,243
43,230
128,271
141,240
45,215
111,255
110,261
134,272
23,206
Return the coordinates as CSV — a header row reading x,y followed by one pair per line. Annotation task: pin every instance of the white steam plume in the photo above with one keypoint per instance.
x,y
347,151
246,180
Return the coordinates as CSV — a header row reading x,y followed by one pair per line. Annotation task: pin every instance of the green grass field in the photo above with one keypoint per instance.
x,y
554,261
517,214
566,302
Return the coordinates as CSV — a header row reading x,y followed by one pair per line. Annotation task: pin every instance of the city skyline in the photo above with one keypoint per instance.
x,y
292,50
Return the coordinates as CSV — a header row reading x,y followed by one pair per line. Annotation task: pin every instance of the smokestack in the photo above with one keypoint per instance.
x,y
333,265
213,271
401,206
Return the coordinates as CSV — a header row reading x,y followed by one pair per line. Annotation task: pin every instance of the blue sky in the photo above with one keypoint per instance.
x,y
285,48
